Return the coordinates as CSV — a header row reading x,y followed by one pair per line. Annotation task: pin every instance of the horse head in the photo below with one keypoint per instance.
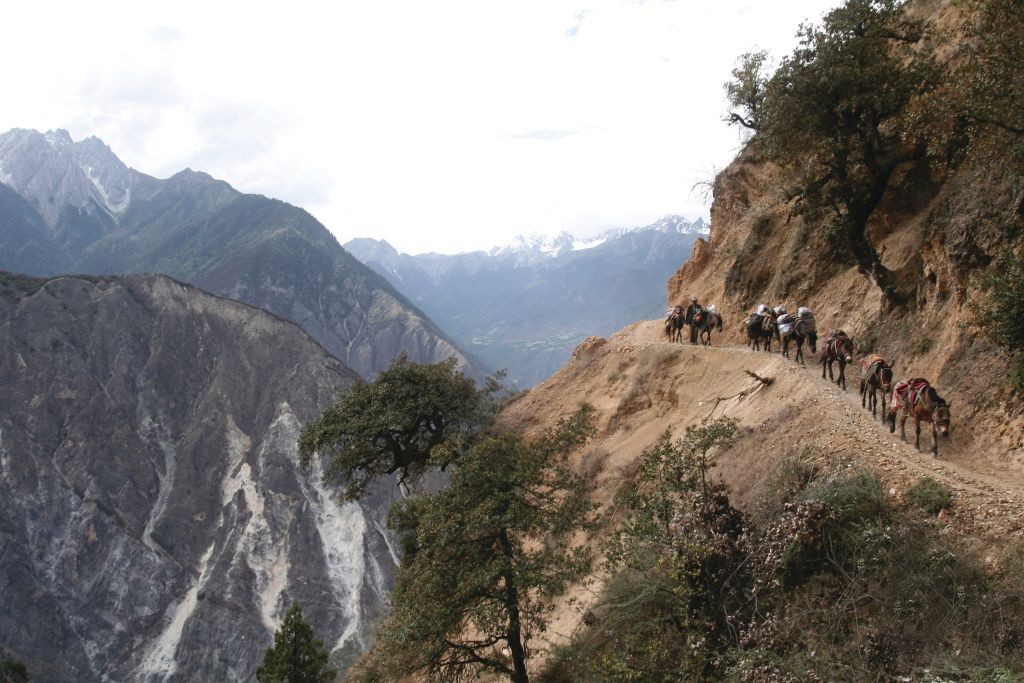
x,y
812,341
845,346
940,412
885,376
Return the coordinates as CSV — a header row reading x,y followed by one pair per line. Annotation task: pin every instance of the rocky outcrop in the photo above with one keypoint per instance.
x,y
153,522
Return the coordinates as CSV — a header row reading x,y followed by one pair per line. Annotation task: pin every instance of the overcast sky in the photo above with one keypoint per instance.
x,y
435,124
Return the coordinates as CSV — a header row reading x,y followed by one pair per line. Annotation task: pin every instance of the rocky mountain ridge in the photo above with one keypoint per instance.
x,y
95,215
526,305
154,524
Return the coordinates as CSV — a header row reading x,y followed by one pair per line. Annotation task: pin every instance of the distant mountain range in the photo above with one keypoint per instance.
x,y
524,306
74,207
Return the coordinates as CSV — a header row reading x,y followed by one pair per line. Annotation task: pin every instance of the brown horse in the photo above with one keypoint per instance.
x,y
761,327
802,330
876,375
674,325
838,348
710,319
918,398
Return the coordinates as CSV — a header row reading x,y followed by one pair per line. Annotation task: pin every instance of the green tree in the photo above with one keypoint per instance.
x,y
746,91
991,78
667,609
841,107
296,656
411,416
12,670
484,555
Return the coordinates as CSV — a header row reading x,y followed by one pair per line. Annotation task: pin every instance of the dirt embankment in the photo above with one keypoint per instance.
x,y
642,386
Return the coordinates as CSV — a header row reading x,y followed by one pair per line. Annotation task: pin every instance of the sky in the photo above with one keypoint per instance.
x,y
438,125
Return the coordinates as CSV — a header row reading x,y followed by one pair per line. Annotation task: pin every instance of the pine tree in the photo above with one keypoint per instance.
x,y
296,656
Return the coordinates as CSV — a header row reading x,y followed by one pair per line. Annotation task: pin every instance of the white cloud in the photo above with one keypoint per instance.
x,y
445,125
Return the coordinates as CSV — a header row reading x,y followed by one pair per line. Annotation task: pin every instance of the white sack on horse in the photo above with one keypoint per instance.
x,y
785,328
761,309
804,312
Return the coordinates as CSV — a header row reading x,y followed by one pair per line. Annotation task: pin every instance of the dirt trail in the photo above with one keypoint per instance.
x,y
642,386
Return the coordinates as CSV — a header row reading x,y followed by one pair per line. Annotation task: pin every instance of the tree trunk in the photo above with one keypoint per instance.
x,y
515,631
870,265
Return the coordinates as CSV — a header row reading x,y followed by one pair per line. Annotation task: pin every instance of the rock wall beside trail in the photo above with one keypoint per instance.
x,y
938,232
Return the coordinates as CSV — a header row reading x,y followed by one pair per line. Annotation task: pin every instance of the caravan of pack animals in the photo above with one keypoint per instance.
x,y
913,397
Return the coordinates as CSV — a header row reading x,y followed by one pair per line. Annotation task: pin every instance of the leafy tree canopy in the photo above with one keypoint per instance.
x,y
482,556
840,106
411,416
991,79
296,656
12,670
746,91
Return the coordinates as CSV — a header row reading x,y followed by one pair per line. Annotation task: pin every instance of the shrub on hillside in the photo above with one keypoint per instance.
x,y
834,584
1000,314
930,495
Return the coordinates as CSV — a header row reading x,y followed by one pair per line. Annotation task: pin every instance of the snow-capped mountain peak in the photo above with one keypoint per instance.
x,y
537,246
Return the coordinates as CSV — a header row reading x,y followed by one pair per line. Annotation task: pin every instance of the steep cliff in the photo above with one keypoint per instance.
x,y
942,221
153,522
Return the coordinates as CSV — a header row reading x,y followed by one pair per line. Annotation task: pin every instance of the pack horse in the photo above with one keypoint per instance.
x,y
917,398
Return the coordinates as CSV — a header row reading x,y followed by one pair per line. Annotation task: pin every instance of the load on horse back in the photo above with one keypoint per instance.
x,y
674,322
710,319
876,375
918,398
761,326
800,329
838,348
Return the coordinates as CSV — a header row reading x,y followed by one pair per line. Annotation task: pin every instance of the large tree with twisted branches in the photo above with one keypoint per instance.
x,y
840,109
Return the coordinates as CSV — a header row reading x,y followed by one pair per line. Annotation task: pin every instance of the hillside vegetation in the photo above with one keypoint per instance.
x,y
753,522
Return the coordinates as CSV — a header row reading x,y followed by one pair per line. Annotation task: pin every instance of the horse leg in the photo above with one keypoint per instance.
x,y
823,362
842,373
864,402
903,426
917,431
935,441
890,417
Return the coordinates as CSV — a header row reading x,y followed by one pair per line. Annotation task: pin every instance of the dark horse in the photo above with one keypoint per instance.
x,y
838,347
803,330
674,325
918,398
761,327
876,375
709,320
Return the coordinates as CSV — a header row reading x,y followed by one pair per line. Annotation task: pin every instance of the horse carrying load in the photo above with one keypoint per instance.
x,y
918,399
805,315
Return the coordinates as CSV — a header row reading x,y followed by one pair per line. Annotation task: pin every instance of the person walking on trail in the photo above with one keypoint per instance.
x,y
694,315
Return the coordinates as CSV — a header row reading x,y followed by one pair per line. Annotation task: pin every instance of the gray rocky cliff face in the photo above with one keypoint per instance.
x,y
153,522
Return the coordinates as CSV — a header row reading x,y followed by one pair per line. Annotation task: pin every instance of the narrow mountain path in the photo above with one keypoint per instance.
x,y
988,489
